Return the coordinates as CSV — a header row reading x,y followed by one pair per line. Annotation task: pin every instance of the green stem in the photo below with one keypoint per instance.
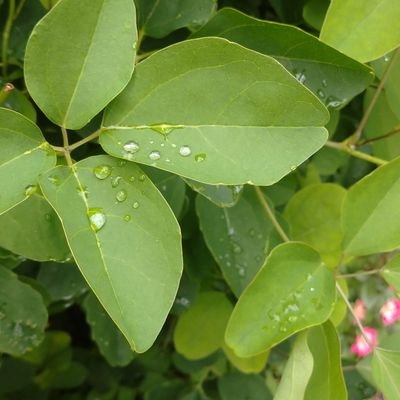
x,y
67,150
357,320
355,137
19,9
361,273
271,214
87,139
381,137
6,36
344,146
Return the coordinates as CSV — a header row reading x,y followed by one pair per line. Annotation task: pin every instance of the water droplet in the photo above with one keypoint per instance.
x,y
183,301
102,171
173,145
132,179
54,179
228,264
154,155
164,129
236,248
151,141
30,190
131,147
185,151
121,195
97,218
293,168
115,181
241,270
333,101
282,329
386,58
127,218
321,93
167,160
142,177
122,163
135,205
83,191
293,318
300,75
162,144
324,83
309,277
312,289
200,157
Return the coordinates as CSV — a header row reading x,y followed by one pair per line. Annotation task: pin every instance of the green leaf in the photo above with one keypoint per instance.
x,y
242,387
327,380
332,76
362,30
247,365
24,154
313,215
291,292
200,330
340,310
124,239
34,218
112,344
23,316
314,12
391,273
236,237
158,18
8,259
371,215
386,372
71,70
254,130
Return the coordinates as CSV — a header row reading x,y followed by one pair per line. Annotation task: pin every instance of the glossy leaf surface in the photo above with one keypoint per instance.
x,y
291,292
71,70
256,129
124,239
23,153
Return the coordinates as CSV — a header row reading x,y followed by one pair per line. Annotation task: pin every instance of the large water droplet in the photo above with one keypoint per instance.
x,y
200,157
102,171
115,181
185,151
97,218
154,155
30,190
131,147
121,195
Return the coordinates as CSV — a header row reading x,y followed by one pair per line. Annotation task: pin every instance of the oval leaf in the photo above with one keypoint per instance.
x,y
391,273
25,154
291,292
386,372
254,130
247,365
371,213
124,238
79,57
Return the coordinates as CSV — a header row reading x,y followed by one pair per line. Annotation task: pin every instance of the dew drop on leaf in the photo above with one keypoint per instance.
x,y
154,155
135,205
30,190
102,171
321,93
121,195
200,157
131,147
132,179
127,218
97,218
142,177
115,181
185,151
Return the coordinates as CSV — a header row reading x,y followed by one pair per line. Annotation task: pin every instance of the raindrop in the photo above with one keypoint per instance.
x,y
142,177
292,318
309,277
132,179
54,179
30,190
122,163
135,205
333,101
131,147
300,76
121,195
241,270
283,329
164,129
162,144
127,218
167,160
293,168
200,157
82,191
173,145
324,83
228,264
154,155
183,301
185,151
97,218
236,248
102,171
321,93
115,181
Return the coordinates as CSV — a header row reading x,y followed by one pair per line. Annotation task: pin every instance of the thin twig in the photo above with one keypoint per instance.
x,y
6,36
85,140
384,136
271,214
361,273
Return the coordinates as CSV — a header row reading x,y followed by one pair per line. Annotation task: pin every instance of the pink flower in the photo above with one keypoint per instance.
x,y
360,347
390,311
359,309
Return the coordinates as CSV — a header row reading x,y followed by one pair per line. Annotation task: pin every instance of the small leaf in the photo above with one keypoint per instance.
x,y
254,130
247,365
71,70
291,292
200,330
24,154
112,344
23,316
313,215
386,372
124,239
371,215
391,273
34,218
236,237
362,30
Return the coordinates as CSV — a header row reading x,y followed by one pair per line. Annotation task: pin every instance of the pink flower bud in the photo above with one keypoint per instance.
x,y
390,311
359,309
360,347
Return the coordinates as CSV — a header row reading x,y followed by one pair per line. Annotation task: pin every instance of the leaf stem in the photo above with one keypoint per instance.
x,y
355,137
67,150
271,214
384,136
6,36
361,273
348,148
85,140
357,320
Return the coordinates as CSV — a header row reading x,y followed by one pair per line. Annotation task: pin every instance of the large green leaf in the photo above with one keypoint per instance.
x,y
200,330
124,239
33,230
371,213
391,273
179,114
79,57
291,292
236,237
23,315
24,154
386,372
364,30
313,215
158,18
112,344
332,76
